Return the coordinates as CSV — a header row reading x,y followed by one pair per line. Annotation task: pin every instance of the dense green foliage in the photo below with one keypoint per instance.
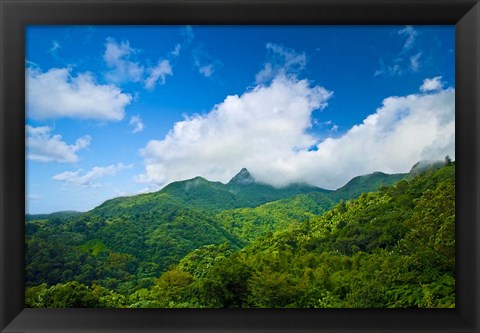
x,y
249,223
394,247
117,252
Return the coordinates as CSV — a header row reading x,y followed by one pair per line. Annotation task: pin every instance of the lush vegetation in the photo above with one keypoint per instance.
x,y
368,244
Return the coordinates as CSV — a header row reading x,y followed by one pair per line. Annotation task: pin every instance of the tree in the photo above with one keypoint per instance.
x,y
448,160
226,284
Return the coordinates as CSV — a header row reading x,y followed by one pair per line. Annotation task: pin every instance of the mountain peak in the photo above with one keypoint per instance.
x,y
242,178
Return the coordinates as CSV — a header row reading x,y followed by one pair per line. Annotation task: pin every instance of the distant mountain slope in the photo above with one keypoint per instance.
x,y
250,223
60,215
364,184
201,194
139,237
423,166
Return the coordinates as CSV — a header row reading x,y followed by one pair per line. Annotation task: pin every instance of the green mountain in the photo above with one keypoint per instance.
x,y
203,195
144,233
250,223
366,183
242,178
394,248
424,166
244,208
126,243
59,215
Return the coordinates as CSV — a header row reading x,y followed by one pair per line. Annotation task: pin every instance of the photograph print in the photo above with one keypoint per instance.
x,y
240,166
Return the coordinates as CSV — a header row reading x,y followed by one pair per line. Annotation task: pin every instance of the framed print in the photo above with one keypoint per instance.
x,y
239,166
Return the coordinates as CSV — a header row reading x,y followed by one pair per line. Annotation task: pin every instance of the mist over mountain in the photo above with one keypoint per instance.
x,y
425,165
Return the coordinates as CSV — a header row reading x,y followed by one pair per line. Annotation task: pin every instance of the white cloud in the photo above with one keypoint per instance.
x,y
176,50
282,61
206,70
395,68
432,84
406,60
33,197
187,38
42,146
205,63
55,46
266,131
257,127
117,56
403,131
415,61
58,94
149,189
87,179
157,73
411,35
136,121
188,35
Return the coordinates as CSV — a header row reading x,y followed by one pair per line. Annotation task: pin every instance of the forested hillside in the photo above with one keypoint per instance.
x,y
244,244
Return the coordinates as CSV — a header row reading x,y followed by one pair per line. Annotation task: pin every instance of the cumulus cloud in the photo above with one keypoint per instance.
x,y
158,73
117,56
266,131
403,131
58,94
136,121
257,127
43,146
432,84
282,61
87,179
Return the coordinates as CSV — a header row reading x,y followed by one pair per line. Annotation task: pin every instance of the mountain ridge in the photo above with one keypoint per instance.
x,y
201,194
167,224
311,255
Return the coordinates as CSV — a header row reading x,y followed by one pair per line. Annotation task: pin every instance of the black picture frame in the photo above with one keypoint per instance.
x,y
17,14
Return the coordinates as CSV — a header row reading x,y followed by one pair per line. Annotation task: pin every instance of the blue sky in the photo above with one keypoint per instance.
x,y
118,110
